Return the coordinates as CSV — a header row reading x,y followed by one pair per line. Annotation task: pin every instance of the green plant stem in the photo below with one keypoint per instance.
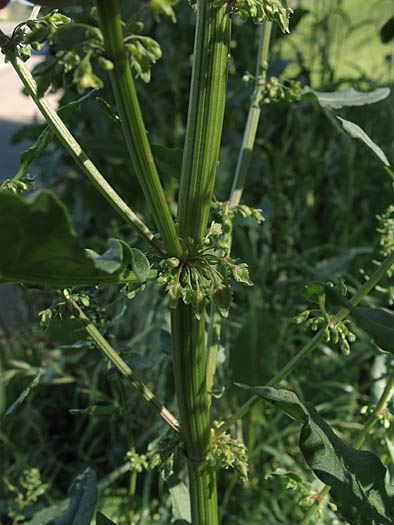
x,y
253,116
205,118
312,344
74,149
374,418
122,367
133,124
201,151
189,362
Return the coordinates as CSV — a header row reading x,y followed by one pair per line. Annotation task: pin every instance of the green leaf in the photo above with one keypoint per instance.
x,y
379,375
28,156
103,520
357,133
168,160
335,267
379,324
94,410
107,110
356,477
83,497
313,289
345,97
137,361
22,396
39,247
140,265
180,500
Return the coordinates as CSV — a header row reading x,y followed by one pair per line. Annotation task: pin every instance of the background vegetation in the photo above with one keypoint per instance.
x,y
321,193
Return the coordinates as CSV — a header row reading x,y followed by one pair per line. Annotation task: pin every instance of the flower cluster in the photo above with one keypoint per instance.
x,y
18,186
203,275
228,452
386,230
275,91
335,330
260,10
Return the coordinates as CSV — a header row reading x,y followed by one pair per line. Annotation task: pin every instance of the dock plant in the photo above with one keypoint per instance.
x,y
187,250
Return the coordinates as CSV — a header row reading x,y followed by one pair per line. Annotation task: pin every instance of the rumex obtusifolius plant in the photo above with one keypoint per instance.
x,y
191,259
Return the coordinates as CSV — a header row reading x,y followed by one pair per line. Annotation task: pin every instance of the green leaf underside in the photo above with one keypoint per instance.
x,y
40,247
345,97
83,497
357,133
356,477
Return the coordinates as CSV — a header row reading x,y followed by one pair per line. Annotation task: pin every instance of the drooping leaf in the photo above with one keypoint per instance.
x,y
356,477
39,247
180,500
107,110
345,97
357,133
28,156
103,520
22,396
83,498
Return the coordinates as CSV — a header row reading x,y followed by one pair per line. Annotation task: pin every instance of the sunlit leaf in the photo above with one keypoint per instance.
x,y
357,133
345,97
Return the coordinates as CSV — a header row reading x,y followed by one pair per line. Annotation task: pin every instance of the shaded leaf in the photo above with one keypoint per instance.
x,y
180,500
356,477
107,110
103,520
39,247
357,133
137,361
83,497
335,267
10,410
28,156
345,97
379,375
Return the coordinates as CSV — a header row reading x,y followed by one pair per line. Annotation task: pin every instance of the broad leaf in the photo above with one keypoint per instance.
x,y
345,97
356,477
83,497
22,396
103,520
39,247
357,133
387,31
180,500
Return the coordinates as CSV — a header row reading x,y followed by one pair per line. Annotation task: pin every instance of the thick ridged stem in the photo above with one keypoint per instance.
x,y
189,361
133,124
205,118
201,152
